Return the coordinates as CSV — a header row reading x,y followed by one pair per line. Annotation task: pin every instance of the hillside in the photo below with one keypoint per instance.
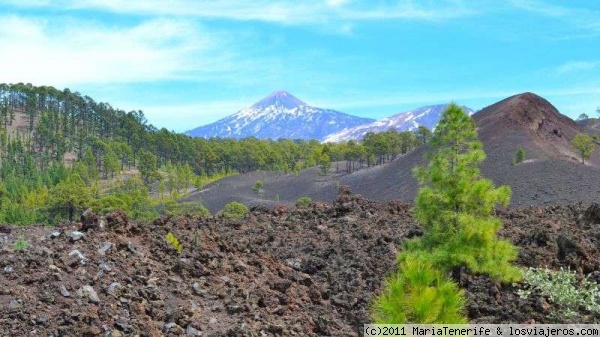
x,y
551,173
427,116
280,115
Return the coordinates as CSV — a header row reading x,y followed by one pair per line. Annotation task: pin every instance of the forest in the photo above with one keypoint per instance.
x,y
61,152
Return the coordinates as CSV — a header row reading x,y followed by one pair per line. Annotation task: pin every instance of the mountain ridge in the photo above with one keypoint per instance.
x,y
427,116
279,115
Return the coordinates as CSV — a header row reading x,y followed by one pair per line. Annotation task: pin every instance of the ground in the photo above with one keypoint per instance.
x,y
277,272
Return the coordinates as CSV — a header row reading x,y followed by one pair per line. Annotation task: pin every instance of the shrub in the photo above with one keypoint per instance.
x,y
520,156
235,209
174,242
418,293
564,289
277,198
193,208
172,207
20,244
258,186
584,144
303,202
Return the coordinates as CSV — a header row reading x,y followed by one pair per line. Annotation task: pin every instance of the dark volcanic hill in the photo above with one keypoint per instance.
x,y
551,173
280,115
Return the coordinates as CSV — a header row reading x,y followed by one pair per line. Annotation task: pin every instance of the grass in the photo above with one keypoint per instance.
x,y
20,244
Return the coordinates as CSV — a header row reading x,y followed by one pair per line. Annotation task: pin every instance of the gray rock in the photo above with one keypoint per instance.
x,y
104,247
294,263
76,235
168,326
88,291
104,267
64,291
115,333
130,246
112,288
197,289
54,234
76,255
8,270
192,331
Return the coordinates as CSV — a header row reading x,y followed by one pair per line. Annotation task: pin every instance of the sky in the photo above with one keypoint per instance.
x,y
187,63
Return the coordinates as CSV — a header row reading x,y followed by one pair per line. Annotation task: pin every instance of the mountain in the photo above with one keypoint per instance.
x,y
427,116
551,173
280,115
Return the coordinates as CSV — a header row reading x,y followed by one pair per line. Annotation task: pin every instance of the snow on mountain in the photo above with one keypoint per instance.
x,y
280,115
427,116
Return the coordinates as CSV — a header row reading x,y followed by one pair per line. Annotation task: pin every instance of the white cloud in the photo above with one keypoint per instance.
x,y
575,66
63,52
285,12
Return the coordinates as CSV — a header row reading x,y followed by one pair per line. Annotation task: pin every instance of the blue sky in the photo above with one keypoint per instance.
x,y
187,63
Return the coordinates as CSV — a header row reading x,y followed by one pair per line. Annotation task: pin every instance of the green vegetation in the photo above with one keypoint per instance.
x,y
61,152
174,242
564,289
234,210
325,164
20,244
419,293
520,156
584,144
303,202
258,186
455,207
204,180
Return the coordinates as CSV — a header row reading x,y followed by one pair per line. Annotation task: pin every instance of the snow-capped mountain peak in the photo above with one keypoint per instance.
x,y
427,116
280,99
280,115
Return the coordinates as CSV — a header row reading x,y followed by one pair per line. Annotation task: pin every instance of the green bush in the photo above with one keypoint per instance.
x,y
193,208
174,242
418,293
258,186
520,156
20,244
564,289
303,202
234,209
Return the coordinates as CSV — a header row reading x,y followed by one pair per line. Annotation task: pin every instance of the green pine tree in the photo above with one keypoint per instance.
x,y
455,204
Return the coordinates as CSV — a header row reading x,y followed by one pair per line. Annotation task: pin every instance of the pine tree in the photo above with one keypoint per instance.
x,y
455,204
70,195
148,167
